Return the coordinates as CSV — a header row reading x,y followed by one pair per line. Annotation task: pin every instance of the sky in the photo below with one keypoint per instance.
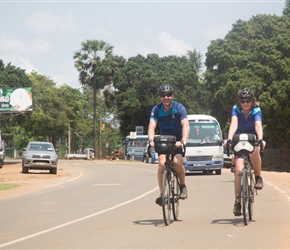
x,y
43,36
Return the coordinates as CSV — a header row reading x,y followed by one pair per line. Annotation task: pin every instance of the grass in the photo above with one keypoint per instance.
x,y
5,186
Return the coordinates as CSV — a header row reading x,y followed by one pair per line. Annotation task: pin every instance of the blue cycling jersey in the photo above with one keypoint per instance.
x,y
247,125
169,123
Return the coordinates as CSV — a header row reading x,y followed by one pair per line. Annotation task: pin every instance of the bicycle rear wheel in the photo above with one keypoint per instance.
x,y
245,196
166,194
175,197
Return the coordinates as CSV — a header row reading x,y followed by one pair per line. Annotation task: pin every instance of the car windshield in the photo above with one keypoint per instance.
x,y
204,133
40,147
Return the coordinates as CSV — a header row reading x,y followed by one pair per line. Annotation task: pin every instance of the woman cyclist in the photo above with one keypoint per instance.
x,y
246,118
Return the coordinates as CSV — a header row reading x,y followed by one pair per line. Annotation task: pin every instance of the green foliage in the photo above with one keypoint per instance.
x,y
13,77
254,54
138,80
286,10
96,66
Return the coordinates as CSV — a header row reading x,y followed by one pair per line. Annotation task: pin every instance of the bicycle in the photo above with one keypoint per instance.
x,y
165,144
245,144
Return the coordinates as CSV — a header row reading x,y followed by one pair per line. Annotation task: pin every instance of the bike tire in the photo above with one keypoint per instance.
x,y
252,195
166,195
175,197
245,196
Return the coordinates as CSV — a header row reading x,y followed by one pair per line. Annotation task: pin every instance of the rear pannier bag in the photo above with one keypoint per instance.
x,y
164,144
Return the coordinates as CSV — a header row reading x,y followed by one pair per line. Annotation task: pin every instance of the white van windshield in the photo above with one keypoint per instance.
x,y
204,133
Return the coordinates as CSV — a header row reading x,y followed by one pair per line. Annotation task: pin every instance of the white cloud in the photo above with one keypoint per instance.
x,y
217,31
67,75
20,62
45,21
12,45
173,46
163,45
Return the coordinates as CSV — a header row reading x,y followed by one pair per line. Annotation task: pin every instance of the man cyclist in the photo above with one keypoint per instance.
x,y
246,118
171,117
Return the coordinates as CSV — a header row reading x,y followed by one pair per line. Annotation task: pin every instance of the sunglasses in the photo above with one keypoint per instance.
x,y
245,101
165,95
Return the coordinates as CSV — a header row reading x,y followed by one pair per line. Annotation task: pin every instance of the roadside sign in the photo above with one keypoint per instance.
x,y
139,130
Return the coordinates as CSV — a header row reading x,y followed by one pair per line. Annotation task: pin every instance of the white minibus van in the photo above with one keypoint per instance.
x,y
204,149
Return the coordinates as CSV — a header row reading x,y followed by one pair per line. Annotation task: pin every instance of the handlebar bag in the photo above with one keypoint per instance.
x,y
244,143
164,144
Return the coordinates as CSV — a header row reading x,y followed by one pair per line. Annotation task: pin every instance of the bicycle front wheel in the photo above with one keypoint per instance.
x,y
166,194
175,197
245,196
251,194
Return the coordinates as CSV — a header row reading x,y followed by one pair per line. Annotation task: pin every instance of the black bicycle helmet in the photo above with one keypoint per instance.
x,y
164,89
245,93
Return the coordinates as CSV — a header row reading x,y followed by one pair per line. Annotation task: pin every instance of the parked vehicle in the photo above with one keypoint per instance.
x,y
39,155
153,158
204,150
136,149
87,153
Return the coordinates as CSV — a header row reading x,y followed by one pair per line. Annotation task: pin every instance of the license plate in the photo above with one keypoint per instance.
x,y
198,165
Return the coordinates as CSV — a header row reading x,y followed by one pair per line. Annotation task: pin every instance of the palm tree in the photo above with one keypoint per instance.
x,y
93,62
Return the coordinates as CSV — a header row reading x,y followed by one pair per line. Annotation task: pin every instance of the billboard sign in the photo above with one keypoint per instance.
x,y
15,99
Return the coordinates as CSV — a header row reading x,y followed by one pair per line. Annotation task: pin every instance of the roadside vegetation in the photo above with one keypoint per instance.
x,y
5,186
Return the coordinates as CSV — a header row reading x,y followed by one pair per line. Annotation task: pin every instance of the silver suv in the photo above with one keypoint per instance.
x,y
39,155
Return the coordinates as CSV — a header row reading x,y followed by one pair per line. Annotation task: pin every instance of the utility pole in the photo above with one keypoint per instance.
x,y
100,137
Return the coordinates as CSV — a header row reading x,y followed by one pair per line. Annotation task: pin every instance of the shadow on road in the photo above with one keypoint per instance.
x,y
238,222
156,223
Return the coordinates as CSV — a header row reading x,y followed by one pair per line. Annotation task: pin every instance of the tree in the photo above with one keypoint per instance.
x,y
55,109
136,85
286,10
13,77
94,63
254,54
11,130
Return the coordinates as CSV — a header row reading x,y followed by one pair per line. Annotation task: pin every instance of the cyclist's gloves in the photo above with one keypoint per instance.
x,y
229,141
260,142
228,146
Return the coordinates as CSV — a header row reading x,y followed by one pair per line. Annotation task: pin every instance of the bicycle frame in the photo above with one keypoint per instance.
x,y
247,192
170,191
245,144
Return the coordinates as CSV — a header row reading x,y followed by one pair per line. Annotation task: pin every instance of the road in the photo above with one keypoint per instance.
x,y
111,205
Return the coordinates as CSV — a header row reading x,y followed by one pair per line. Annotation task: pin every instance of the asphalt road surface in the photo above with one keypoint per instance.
x,y
111,205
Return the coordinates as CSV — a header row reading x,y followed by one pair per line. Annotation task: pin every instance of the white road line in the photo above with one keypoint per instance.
x,y
279,190
60,183
77,220
101,185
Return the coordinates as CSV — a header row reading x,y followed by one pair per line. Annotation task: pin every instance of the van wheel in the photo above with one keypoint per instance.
x,y
218,172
